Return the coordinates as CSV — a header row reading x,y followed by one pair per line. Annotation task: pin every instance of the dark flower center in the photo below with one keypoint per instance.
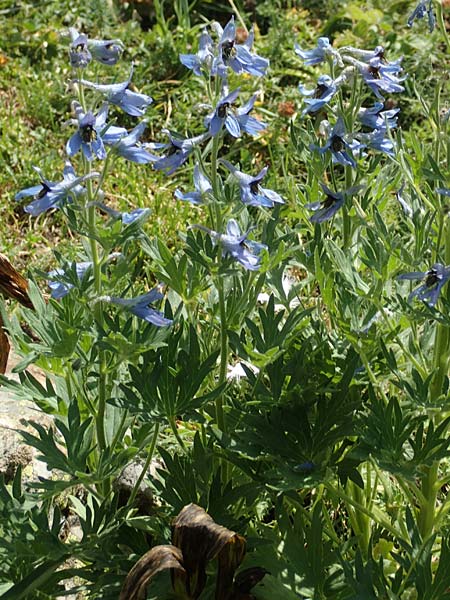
x,y
228,50
431,278
254,187
222,110
45,189
320,90
337,143
375,72
172,150
88,134
329,201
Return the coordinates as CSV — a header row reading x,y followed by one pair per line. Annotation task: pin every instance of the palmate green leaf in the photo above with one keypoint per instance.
x,y
167,382
77,436
29,388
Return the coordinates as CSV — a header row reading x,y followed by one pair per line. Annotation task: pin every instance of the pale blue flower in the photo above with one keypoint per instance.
x,y
139,306
82,50
177,150
325,209
79,55
424,8
377,140
108,52
235,120
237,245
127,218
322,52
377,117
236,56
132,103
252,193
338,145
379,75
49,194
131,149
443,191
204,57
60,279
202,187
318,97
92,133
433,281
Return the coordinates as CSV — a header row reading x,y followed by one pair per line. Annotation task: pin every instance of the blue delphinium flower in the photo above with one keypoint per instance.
x,y
50,194
178,149
433,281
252,193
139,306
424,7
107,52
127,218
92,133
338,145
235,120
380,75
325,209
322,52
132,103
377,140
79,55
131,149
59,280
236,56
377,116
203,59
320,95
237,245
202,187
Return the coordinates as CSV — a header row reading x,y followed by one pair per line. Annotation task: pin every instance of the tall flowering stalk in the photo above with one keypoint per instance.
x,y
214,61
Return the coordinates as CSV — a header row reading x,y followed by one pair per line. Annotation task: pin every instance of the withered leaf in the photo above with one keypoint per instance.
x,y
246,580
12,284
159,558
201,540
4,348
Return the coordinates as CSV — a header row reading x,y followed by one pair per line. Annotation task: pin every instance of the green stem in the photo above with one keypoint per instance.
x,y
173,427
148,460
220,417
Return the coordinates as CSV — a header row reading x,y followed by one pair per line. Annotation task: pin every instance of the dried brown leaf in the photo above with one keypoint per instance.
x,y
201,539
159,558
4,348
12,284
